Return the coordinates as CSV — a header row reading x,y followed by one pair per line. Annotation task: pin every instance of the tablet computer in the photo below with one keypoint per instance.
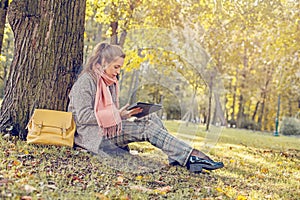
x,y
147,108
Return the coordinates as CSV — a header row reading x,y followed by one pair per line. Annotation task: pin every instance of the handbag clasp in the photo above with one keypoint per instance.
x,y
64,132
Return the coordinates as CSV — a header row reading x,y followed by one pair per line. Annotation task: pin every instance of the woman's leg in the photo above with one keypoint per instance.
x,y
151,129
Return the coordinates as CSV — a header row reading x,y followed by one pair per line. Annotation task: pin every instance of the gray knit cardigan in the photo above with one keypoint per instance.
x,y
82,100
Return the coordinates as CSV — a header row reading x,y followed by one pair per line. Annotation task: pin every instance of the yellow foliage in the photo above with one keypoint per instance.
x,y
89,10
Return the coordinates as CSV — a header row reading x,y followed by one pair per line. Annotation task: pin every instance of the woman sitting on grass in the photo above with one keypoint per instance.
x,y
103,127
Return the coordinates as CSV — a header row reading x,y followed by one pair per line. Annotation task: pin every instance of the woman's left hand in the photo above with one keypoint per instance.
x,y
125,114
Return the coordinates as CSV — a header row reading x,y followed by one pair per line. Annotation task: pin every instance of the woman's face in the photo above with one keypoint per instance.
x,y
113,68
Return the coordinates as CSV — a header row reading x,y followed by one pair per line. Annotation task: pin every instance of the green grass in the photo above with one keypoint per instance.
x,y
236,136
257,166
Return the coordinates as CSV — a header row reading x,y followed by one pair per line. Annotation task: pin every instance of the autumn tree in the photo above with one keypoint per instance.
x,y
48,54
253,44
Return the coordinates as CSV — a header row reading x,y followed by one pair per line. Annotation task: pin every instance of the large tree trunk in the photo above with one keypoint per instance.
x,y
3,12
48,54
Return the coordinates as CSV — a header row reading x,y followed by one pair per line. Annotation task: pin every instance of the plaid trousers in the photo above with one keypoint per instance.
x,y
150,129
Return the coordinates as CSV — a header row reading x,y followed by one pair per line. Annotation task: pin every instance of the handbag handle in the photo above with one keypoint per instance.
x,y
64,132
63,129
39,128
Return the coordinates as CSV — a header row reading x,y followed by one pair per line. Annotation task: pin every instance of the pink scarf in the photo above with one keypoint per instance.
x,y
107,113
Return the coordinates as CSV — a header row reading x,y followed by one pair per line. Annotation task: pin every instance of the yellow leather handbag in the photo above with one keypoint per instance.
x,y
51,127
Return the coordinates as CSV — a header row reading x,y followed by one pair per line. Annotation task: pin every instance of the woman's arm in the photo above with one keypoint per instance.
x,y
82,100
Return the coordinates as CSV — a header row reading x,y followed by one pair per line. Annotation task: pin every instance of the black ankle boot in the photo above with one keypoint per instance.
x,y
196,164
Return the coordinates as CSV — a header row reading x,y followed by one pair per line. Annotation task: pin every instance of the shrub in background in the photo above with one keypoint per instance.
x,y
290,126
250,124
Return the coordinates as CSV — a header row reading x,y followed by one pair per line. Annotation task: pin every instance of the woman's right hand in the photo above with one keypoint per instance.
x,y
125,114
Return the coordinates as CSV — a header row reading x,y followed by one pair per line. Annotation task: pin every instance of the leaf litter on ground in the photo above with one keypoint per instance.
x,y
31,172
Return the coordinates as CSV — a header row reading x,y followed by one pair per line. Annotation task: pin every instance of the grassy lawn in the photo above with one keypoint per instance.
x,y
257,166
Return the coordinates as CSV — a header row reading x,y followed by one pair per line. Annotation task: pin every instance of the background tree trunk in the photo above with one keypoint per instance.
x,y
210,85
3,12
233,119
48,54
219,116
135,85
241,115
255,110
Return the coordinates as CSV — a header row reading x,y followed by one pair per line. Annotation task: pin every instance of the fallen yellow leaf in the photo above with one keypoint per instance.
x,y
125,197
241,197
138,178
279,163
260,176
16,163
101,196
219,189
264,170
164,189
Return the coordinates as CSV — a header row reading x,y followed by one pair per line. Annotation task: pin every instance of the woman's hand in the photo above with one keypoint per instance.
x,y
125,114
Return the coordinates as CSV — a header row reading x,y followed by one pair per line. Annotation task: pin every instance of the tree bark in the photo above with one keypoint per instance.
x,y
240,116
133,98
255,110
262,110
210,85
114,34
218,116
48,54
3,13
233,120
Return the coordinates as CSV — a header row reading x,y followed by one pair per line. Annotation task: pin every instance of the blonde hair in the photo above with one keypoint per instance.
x,y
102,52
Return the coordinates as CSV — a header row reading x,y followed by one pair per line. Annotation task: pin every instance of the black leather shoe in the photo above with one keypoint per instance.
x,y
174,163
195,164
